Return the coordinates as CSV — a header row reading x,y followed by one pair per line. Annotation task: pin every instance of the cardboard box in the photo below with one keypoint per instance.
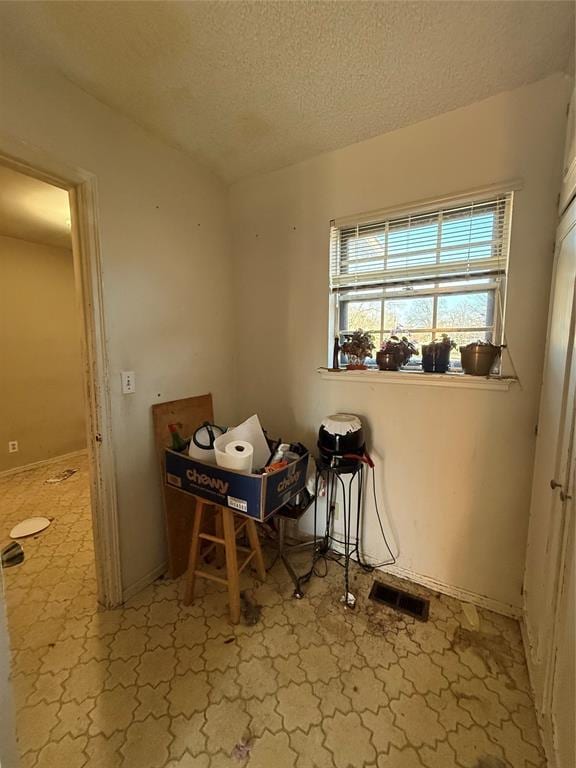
x,y
255,496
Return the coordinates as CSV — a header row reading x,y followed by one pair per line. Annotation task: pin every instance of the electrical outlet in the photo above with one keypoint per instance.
x,y
13,446
128,382
336,511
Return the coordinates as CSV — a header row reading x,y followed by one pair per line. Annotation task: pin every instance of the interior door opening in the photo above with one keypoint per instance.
x,y
72,568
45,494
51,215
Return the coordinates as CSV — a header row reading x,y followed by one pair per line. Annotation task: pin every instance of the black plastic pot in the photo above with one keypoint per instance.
x,y
387,361
435,359
428,359
442,359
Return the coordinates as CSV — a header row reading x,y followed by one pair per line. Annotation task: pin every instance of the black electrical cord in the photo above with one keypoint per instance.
x,y
369,567
330,556
392,560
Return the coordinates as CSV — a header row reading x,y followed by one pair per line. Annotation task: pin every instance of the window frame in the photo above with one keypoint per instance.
x,y
495,287
494,327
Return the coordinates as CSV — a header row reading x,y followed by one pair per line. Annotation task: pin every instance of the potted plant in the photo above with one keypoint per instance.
x,y
436,354
479,357
357,346
395,352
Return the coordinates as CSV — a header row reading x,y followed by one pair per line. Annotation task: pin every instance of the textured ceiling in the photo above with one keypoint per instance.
x,y
33,210
248,87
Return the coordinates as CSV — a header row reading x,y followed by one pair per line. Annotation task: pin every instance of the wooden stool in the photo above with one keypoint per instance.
x,y
228,527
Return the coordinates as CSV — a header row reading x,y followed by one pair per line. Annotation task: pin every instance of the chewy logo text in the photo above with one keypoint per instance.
x,y
288,482
220,486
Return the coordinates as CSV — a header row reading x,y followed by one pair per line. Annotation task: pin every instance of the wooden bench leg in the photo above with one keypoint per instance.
x,y
232,575
220,558
258,559
194,552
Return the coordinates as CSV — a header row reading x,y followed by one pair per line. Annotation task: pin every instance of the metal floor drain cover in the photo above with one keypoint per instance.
x,y
404,602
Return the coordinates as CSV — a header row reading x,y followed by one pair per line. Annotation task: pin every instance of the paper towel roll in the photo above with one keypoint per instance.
x,y
250,431
237,455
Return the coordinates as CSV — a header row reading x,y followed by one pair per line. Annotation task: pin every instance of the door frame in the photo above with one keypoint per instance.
x,y
83,194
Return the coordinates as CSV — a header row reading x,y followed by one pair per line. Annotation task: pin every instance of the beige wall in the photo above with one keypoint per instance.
x,y
454,466
41,389
166,277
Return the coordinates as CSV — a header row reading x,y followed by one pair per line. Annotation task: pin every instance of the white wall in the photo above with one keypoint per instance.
x,y
164,239
454,466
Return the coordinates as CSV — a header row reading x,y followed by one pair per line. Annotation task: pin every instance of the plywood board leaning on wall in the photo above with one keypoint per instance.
x,y
190,412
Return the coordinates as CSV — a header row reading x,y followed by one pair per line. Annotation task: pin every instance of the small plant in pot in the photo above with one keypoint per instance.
x,y
436,355
479,357
395,352
357,346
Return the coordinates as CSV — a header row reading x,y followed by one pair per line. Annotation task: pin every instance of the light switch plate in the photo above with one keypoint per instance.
x,y
128,382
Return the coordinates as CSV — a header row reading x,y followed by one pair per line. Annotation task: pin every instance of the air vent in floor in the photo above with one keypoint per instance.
x,y
401,601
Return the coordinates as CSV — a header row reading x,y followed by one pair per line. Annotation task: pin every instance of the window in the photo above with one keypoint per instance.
x,y
438,270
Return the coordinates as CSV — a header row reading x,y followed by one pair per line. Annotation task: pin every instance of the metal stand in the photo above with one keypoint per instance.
x,y
282,549
341,477
291,512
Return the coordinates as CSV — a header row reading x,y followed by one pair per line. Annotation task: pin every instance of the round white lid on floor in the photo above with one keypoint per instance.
x,y
29,527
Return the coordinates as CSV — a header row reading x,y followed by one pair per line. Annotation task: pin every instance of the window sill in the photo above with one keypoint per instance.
x,y
419,378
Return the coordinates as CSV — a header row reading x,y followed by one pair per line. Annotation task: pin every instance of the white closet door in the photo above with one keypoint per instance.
x,y
552,470
559,695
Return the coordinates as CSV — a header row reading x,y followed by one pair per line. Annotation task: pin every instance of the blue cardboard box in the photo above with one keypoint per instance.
x,y
256,496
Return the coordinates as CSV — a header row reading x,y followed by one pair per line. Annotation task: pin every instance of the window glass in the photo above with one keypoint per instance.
x,y
404,314
463,310
362,314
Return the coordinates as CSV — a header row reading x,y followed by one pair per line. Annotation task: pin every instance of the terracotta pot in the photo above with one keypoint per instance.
x,y
478,359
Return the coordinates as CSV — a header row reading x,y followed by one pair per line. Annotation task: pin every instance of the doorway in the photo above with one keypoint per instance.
x,y
44,478
78,190
88,511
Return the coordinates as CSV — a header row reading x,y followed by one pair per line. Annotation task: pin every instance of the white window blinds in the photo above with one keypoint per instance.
x,y
452,243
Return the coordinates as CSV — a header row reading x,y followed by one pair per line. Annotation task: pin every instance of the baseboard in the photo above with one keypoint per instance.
x,y
144,582
44,462
447,589
482,601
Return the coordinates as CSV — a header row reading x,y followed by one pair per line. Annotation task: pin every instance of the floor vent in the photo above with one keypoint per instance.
x,y
401,601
